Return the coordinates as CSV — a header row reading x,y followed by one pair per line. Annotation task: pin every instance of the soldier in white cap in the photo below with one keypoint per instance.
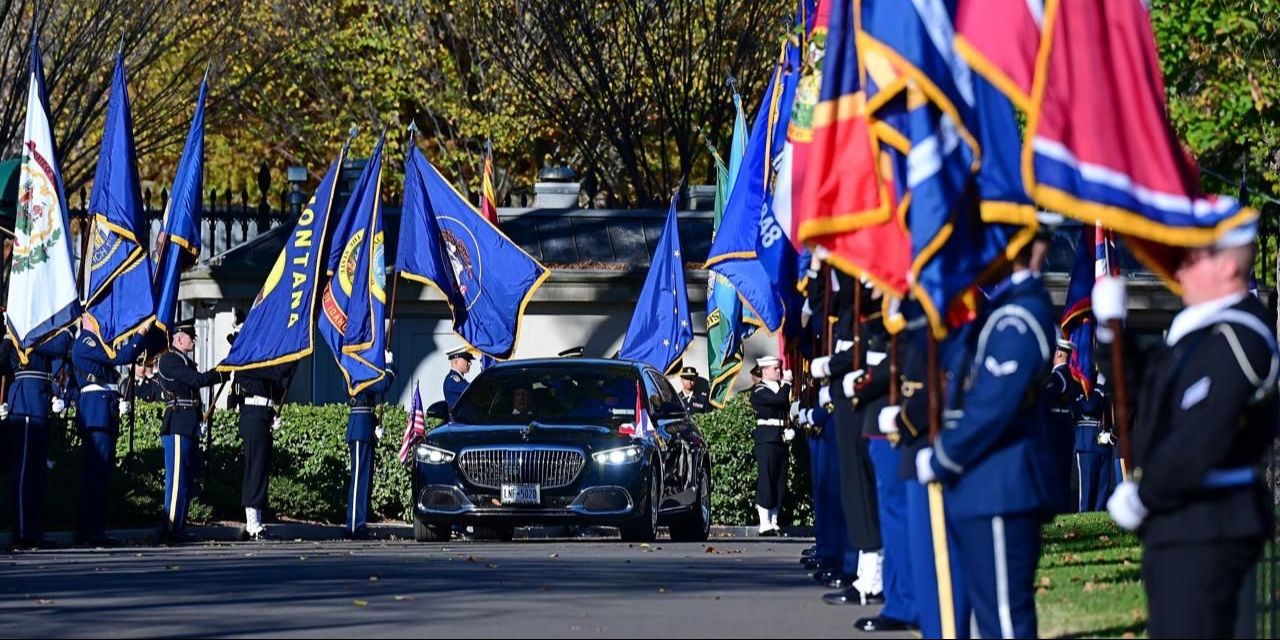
x,y
771,399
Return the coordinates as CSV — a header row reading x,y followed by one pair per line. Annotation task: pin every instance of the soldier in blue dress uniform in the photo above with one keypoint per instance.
x,y
455,382
183,422
1061,391
98,418
362,431
26,412
1094,449
992,456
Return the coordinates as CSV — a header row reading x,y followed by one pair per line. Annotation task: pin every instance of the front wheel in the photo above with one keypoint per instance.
x,y
644,528
423,532
695,526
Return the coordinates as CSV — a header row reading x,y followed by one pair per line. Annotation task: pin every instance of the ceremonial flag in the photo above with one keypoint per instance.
x,y
445,242
278,327
414,429
488,200
660,328
42,295
1095,259
178,245
726,329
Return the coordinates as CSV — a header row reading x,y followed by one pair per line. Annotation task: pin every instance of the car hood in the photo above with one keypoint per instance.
x,y
459,436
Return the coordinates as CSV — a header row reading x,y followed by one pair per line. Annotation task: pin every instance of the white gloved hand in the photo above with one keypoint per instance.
x,y
1110,301
795,410
788,434
887,421
275,423
1107,438
4,411
390,357
824,395
820,367
123,406
924,466
1126,507
850,382
377,432
204,430
786,376
805,314
57,406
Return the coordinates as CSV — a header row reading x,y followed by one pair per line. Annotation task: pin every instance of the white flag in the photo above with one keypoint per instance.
x,y
42,288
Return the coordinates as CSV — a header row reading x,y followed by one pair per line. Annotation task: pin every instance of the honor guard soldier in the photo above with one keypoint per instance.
x,y
1206,418
26,412
362,430
991,455
1061,392
1094,449
145,387
694,401
182,425
261,391
771,400
455,382
98,418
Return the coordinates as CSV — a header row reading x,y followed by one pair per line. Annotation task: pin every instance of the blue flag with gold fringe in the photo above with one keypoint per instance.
x,y
486,278
178,246
118,296
348,303
660,328
278,327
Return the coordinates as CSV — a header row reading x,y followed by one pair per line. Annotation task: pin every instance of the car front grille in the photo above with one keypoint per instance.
x,y
493,467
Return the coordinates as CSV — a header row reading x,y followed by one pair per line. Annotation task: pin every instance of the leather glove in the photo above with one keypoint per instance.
x,y
1107,438
887,421
1126,507
824,395
786,376
4,411
275,423
850,382
56,405
795,411
788,434
124,406
1110,302
924,466
820,367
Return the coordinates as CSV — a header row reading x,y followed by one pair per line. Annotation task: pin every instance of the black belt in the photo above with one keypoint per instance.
x,y
34,375
361,409
181,404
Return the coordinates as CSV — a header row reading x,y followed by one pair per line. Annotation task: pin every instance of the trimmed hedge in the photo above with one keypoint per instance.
x,y
310,470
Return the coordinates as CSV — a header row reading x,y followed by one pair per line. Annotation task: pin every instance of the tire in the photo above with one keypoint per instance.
x,y
695,526
423,532
498,533
644,528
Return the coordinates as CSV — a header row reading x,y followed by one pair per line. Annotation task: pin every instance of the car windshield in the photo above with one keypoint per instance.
x,y
551,394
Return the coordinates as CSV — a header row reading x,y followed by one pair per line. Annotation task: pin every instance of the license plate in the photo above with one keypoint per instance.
x,y
521,494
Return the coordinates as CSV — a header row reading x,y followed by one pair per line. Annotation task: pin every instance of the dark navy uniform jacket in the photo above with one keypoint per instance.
x,y
181,383
991,452
454,385
95,375
1061,392
695,402
1090,413
1206,415
771,409
32,388
363,419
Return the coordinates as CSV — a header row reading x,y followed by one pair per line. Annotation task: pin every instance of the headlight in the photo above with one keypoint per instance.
x,y
624,455
434,455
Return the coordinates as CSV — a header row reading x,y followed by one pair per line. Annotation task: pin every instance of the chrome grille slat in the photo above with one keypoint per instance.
x,y
491,467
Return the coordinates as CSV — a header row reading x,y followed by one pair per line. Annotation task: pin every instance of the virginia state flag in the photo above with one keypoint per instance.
x,y
278,327
353,301
751,250
119,298
178,245
660,328
486,278
42,295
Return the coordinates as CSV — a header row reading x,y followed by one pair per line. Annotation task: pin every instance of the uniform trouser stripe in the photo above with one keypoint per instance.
x,y
22,478
177,480
355,488
1002,577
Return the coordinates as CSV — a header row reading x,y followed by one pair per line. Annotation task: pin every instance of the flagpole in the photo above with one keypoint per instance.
x,y
937,522
395,276
857,323
1120,389
130,396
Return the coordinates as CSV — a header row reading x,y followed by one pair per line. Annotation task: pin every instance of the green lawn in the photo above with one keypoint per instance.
x,y
1089,582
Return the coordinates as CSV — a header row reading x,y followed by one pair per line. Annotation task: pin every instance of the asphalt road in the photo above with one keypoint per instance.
x,y
727,588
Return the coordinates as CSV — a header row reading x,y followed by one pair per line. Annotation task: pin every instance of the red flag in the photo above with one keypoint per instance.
x,y
488,201
414,429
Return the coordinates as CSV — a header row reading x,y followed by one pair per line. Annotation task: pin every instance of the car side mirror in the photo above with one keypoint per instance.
x,y
439,410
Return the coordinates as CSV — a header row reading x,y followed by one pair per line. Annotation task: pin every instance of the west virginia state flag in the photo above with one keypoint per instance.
x,y
278,327
660,328
42,287
119,297
178,246
486,278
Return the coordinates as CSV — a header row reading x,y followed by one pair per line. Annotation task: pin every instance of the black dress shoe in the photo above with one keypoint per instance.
x,y
851,595
881,624
841,582
260,536
770,533
809,552
359,534
814,564
826,574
